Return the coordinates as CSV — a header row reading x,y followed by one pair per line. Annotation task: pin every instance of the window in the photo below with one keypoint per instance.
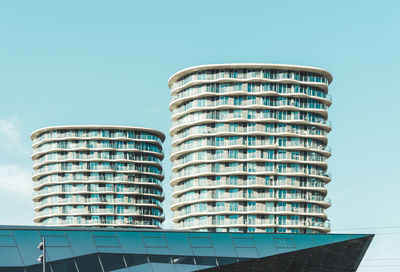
x,y
220,219
251,219
233,154
282,220
238,101
233,219
234,206
220,206
233,127
233,180
251,180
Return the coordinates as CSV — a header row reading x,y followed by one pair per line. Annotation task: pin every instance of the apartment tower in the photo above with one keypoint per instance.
x,y
249,148
103,176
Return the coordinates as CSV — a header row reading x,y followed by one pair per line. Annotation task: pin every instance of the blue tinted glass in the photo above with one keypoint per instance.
x,y
200,267
37,268
211,261
103,233
160,259
337,237
106,241
52,233
57,253
203,251
226,260
131,242
66,265
185,267
159,250
27,241
112,262
247,252
284,242
178,243
198,234
303,241
154,242
135,259
243,242
264,244
183,260
56,241
223,244
142,268
241,235
5,232
6,241
163,267
9,256
109,249
81,242
152,234
200,242
89,263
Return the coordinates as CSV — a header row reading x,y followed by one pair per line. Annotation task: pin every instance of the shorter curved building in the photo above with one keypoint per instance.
x,y
103,176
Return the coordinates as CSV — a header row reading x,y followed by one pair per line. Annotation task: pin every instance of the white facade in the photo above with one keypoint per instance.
x,y
104,176
249,148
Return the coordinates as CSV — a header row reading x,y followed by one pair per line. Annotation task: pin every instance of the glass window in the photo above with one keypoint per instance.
x,y
81,242
178,243
136,259
67,265
112,262
223,245
234,206
243,242
56,241
183,260
25,239
200,242
154,242
88,263
6,241
106,241
9,256
205,260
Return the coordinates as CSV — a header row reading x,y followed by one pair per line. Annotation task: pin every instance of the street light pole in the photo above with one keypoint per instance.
x,y
42,258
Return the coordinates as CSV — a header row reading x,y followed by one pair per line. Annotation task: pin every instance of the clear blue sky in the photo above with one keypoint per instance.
x,y
108,62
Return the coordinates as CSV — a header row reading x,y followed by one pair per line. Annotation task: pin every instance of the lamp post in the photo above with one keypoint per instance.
x,y
42,257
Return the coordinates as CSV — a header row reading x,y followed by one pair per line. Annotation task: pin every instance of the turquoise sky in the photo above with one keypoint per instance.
x,y
108,62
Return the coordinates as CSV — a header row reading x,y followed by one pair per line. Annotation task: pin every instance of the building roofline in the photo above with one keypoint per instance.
x,y
61,228
182,72
41,130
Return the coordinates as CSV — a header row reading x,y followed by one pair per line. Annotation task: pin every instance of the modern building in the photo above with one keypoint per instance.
x,y
103,250
249,148
103,176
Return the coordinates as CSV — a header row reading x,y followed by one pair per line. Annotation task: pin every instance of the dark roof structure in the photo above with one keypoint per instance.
x,y
100,249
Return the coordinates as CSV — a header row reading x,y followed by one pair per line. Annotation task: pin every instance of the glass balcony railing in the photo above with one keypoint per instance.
x,y
88,179
123,146
103,134
192,118
259,101
244,156
260,74
266,143
197,184
256,128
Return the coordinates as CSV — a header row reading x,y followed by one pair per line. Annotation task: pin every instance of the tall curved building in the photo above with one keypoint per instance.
x,y
249,148
104,176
